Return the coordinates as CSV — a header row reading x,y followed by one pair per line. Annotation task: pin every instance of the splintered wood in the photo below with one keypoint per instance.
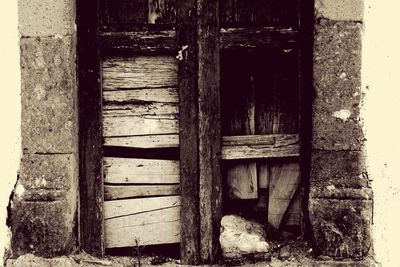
x,y
140,102
260,146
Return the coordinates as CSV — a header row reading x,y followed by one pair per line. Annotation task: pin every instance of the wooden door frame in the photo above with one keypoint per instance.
x,y
200,137
91,223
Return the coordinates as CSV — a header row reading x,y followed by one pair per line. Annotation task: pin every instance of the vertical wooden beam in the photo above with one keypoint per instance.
x,y
90,129
209,128
188,130
200,137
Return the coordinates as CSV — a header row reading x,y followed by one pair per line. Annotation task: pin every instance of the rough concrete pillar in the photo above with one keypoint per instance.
x,y
340,199
43,207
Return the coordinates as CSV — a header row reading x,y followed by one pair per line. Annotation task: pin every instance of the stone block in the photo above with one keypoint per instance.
x,y
332,192
341,228
348,10
337,65
339,169
332,133
46,17
45,228
48,95
48,171
337,85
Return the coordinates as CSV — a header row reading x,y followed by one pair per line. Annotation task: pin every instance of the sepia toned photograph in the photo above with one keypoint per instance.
x,y
200,133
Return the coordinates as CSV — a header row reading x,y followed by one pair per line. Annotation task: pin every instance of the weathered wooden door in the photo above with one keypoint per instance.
x,y
140,123
189,90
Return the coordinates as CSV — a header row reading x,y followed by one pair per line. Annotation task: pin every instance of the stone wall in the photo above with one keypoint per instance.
x,y
340,199
43,207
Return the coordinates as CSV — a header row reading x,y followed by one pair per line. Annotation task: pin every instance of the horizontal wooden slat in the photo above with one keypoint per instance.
x,y
159,95
142,221
260,146
139,72
144,141
145,109
164,41
139,125
260,139
138,42
257,37
140,171
140,119
128,191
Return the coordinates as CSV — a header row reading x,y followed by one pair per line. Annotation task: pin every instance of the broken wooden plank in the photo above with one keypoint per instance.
x,y
158,95
136,125
260,146
276,140
144,141
140,42
139,72
142,221
140,171
140,119
151,42
284,180
259,151
112,192
146,109
233,38
240,180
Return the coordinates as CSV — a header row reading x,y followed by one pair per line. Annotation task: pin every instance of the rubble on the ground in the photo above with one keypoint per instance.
x,y
241,237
